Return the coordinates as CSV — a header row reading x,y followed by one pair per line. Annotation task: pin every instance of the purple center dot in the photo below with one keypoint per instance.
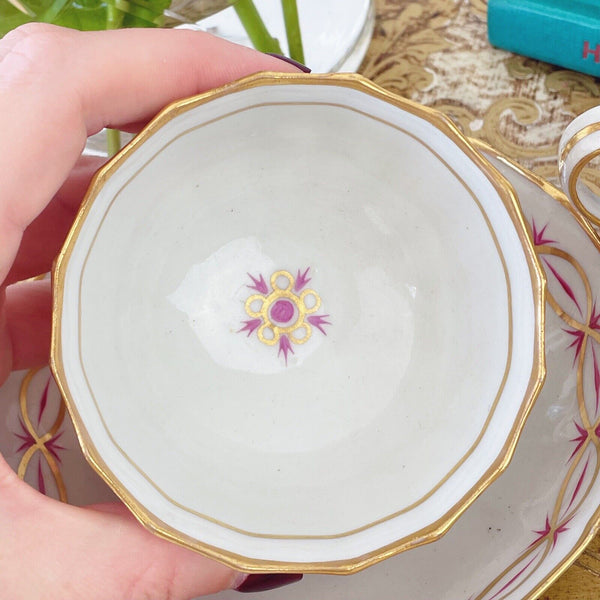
x,y
282,311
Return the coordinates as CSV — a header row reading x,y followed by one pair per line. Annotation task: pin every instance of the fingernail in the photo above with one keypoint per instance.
x,y
290,61
262,582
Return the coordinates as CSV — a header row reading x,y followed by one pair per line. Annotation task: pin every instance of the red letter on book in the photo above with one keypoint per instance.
x,y
587,51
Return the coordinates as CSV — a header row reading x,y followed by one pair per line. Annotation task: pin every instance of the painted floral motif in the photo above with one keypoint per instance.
x,y
284,312
581,317
46,445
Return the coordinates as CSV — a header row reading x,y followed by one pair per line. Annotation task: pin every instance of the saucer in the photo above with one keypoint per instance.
x,y
362,317
488,553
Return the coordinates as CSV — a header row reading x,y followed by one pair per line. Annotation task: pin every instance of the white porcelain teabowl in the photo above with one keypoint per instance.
x,y
579,147
299,324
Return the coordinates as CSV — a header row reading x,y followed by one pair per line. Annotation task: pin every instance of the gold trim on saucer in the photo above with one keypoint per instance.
x,y
436,529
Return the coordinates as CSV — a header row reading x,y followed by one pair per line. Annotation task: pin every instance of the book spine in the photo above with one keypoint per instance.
x,y
553,31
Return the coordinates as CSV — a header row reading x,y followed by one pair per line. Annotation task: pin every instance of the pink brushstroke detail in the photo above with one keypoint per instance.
x,y
41,484
258,284
538,236
53,447
595,319
43,402
565,286
250,326
507,585
581,439
560,530
301,280
577,487
577,343
542,533
596,377
25,437
285,346
318,321
28,441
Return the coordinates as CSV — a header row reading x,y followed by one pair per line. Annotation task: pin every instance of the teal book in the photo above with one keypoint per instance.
x,y
561,32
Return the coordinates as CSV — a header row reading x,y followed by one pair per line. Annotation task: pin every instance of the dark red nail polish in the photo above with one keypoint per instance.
x,y
262,582
290,61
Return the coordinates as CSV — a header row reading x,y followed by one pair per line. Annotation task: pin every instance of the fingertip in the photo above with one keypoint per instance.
x,y
290,61
264,582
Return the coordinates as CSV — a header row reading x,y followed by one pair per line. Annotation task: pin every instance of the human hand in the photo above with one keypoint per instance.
x,y
57,87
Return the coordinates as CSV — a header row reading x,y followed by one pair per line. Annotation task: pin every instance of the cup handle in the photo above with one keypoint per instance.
x,y
580,144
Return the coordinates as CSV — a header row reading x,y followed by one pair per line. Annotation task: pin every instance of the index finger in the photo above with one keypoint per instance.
x,y
57,86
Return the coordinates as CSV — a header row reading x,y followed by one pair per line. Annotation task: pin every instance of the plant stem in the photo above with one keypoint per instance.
x,y
114,18
292,29
113,141
255,27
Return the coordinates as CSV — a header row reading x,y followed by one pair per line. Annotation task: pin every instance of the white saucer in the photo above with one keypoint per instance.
x,y
517,538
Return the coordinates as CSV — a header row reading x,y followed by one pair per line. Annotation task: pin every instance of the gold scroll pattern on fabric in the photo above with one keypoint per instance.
x,y
436,52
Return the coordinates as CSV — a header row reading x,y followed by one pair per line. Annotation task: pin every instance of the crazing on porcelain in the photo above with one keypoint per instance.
x,y
284,312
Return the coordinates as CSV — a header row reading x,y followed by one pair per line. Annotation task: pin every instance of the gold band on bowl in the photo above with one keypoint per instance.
x,y
538,282
578,168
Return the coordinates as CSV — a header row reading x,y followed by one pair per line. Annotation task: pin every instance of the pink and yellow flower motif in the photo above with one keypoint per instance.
x,y
284,313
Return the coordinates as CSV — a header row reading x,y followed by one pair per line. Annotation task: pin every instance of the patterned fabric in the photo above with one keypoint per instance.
x,y
436,52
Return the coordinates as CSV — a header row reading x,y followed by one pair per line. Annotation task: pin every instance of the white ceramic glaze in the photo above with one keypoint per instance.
x,y
534,520
335,33
579,145
488,548
301,343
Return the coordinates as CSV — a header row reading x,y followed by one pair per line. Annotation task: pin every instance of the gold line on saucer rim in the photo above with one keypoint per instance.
x,y
537,279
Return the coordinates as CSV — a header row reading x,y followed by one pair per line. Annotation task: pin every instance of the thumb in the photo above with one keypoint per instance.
x,y
53,550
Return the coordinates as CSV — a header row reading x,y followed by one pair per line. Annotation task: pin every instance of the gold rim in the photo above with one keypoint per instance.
x,y
426,535
577,137
576,172
574,178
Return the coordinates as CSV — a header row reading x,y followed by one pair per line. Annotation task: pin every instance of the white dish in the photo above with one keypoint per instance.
x,y
362,318
489,548
579,149
335,33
